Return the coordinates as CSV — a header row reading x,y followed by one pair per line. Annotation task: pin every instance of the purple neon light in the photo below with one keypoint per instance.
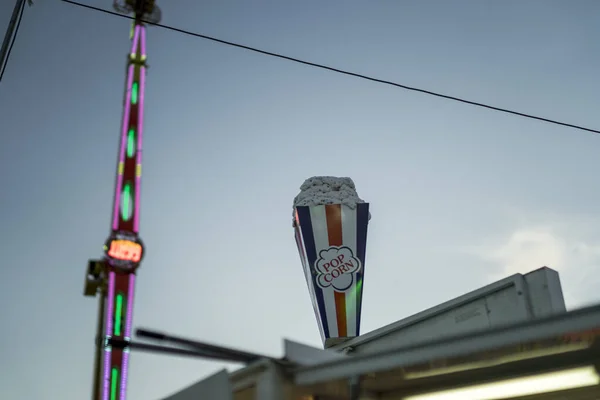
x,y
129,319
139,35
141,96
105,393
143,30
138,179
136,38
110,305
125,366
123,145
128,326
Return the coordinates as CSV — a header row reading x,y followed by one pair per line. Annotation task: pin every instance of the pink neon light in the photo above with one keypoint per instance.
x,y
138,183
143,30
139,34
127,336
136,38
125,365
123,145
106,375
142,95
110,305
129,319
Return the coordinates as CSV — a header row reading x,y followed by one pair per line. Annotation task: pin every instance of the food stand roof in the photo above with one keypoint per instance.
x,y
533,347
555,343
517,298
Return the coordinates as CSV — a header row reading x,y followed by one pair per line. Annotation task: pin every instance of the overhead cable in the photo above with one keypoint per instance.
x,y
344,72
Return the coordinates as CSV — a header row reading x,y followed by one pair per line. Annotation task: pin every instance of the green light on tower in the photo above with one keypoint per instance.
x,y
134,93
118,314
130,143
114,384
126,202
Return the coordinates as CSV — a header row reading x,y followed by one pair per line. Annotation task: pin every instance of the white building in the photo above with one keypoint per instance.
x,y
504,334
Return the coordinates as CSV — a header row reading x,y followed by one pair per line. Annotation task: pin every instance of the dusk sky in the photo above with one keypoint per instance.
x,y
460,196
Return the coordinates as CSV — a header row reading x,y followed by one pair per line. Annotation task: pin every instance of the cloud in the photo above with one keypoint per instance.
x,y
572,247
528,249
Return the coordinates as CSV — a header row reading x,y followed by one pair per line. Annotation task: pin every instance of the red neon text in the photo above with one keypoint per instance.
x,y
125,250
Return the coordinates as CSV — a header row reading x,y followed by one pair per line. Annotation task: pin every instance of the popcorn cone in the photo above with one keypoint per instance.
x,y
332,241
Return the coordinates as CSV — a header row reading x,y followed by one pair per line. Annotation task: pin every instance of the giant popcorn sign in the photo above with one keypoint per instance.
x,y
332,241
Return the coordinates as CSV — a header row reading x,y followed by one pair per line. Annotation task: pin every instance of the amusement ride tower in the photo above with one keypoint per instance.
x,y
113,277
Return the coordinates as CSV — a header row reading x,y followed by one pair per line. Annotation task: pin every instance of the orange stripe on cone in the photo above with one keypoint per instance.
x,y
333,214
334,224
340,307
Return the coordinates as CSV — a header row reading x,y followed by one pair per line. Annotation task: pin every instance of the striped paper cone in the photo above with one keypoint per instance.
x,y
332,241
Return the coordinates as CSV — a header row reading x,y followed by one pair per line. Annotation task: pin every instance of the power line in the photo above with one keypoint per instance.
x,y
12,42
344,72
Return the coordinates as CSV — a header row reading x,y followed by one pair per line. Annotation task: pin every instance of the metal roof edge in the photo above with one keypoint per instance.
x,y
430,312
561,324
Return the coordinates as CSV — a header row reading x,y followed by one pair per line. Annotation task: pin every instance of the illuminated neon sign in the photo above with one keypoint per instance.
x,y
124,251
